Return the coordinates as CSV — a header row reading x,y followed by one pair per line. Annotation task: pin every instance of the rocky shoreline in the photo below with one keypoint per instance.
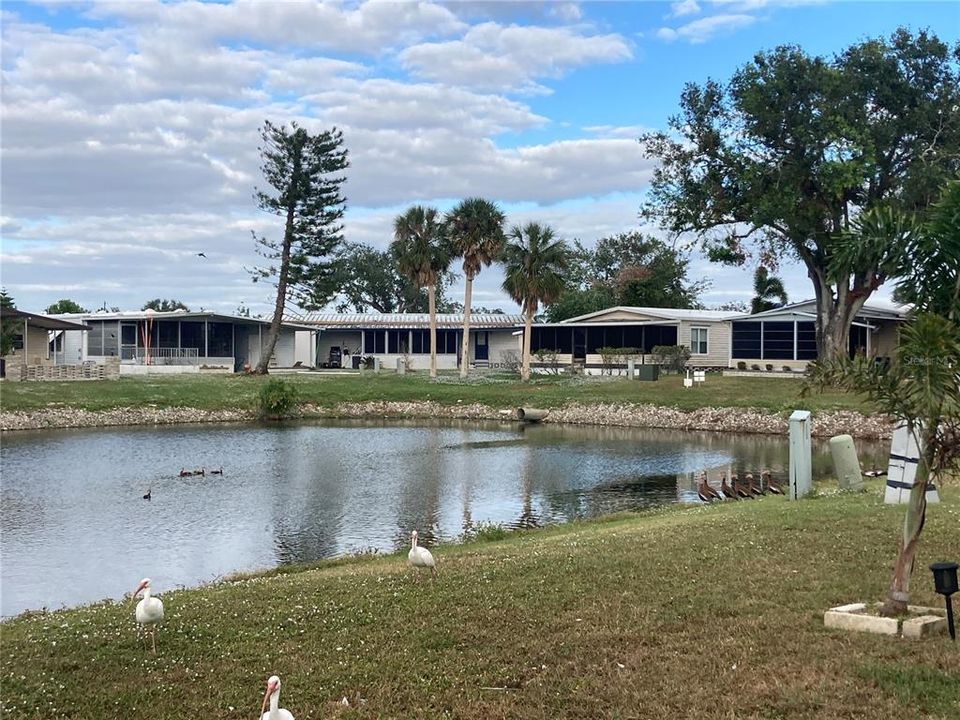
x,y
735,420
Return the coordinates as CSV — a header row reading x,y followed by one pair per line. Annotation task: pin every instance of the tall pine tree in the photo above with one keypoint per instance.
x,y
305,173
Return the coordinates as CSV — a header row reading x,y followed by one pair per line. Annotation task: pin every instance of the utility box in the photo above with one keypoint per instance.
x,y
401,366
649,372
846,465
801,480
631,368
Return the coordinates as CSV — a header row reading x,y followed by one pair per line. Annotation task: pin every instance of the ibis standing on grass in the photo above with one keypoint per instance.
x,y
419,557
273,697
149,611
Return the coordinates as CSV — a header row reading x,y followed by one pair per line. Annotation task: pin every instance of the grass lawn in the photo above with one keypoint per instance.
x,y
705,612
213,392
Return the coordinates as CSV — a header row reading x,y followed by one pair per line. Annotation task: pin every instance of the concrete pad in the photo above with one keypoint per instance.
x,y
851,608
861,623
923,626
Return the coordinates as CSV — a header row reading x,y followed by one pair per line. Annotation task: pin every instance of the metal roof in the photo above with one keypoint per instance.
x,y
45,322
657,312
808,307
479,321
177,315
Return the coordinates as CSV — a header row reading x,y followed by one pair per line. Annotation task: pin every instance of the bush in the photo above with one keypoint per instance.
x,y
741,365
769,367
277,399
787,368
755,367
671,357
487,532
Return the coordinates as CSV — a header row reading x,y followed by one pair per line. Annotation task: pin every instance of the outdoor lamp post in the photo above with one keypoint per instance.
x,y
945,583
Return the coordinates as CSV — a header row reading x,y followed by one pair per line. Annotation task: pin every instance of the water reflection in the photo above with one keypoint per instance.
x,y
75,529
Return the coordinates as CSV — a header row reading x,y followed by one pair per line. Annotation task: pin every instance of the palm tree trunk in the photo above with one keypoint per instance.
x,y
432,298
899,596
465,344
527,332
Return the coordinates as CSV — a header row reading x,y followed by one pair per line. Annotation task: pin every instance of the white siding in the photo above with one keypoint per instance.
x,y
718,343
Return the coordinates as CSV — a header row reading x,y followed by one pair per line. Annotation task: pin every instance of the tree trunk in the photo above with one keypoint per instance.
x,y
833,315
465,344
432,298
527,332
274,334
899,596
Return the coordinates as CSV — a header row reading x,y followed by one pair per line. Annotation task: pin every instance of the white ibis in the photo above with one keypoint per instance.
x,y
419,557
149,610
273,697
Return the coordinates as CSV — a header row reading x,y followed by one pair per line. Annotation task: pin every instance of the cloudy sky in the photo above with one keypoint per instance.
x,y
129,129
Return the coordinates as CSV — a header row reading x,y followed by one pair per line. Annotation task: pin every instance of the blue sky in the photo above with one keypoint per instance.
x,y
130,129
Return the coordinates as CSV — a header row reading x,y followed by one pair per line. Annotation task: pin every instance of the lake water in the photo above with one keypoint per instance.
x,y
75,528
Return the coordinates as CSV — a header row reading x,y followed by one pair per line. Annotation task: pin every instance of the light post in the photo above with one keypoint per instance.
x,y
945,583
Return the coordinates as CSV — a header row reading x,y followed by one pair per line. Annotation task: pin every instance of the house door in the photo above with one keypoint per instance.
x,y
128,341
482,350
580,344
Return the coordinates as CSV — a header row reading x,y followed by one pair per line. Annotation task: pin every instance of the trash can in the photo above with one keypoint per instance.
x,y
649,372
356,362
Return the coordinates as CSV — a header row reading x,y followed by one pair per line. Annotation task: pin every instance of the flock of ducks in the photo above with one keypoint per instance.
x,y
148,495
737,490
149,614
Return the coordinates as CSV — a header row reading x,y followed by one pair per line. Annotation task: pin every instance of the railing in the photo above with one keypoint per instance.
x,y
161,356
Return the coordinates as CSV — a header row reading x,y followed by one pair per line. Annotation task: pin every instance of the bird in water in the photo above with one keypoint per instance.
x,y
273,697
149,611
217,472
201,471
185,473
772,485
419,557
149,494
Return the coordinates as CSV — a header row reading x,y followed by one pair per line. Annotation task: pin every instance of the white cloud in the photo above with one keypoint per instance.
x,y
684,8
699,31
492,56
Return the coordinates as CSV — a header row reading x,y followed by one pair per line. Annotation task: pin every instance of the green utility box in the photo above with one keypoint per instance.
x,y
649,372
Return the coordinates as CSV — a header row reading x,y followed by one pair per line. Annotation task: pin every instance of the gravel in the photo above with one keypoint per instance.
x,y
735,420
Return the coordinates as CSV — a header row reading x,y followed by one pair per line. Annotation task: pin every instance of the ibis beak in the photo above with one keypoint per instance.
x,y
271,688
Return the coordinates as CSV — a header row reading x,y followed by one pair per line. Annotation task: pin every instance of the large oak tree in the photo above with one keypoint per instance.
x,y
785,155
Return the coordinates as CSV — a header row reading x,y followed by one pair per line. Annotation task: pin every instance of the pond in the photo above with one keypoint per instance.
x,y
76,529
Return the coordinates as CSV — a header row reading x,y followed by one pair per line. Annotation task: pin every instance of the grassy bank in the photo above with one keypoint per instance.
x,y
216,392
707,612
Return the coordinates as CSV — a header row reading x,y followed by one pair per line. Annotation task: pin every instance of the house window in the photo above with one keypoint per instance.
x,y
698,341
375,342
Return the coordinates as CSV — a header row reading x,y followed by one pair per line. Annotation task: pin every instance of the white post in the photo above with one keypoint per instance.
x,y
801,481
401,366
631,368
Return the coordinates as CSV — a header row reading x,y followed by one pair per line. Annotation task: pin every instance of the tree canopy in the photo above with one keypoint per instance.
x,y
65,306
783,157
9,328
625,269
370,280
768,291
162,305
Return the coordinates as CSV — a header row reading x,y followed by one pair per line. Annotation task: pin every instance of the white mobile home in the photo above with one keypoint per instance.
x,y
178,341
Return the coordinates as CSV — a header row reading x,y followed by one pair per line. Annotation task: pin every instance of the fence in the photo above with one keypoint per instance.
x,y
162,356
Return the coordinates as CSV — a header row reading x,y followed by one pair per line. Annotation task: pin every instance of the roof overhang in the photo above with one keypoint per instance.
x,y
44,322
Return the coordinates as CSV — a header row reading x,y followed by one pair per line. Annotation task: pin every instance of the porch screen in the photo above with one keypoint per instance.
x,y
191,336
806,341
220,342
778,340
746,340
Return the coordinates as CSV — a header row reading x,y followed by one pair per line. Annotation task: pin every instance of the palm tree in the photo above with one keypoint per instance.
x,y
535,264
767,290
423,255
475,230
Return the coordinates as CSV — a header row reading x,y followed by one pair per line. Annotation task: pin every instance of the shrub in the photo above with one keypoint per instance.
x,y
549,360
754,367
487,532
277,399
741,365
671,357
769,367
787,368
